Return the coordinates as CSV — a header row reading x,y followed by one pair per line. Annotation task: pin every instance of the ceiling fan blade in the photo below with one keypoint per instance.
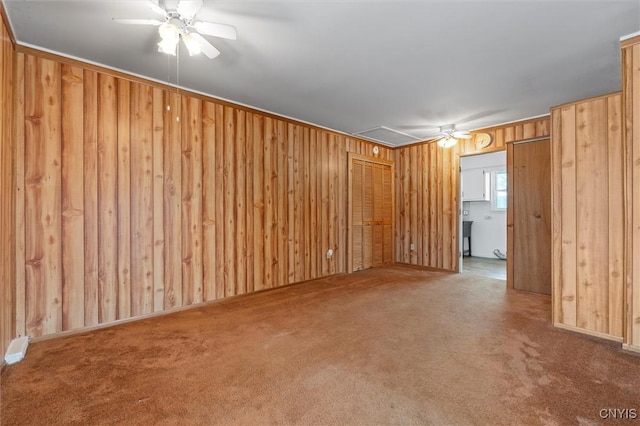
x,y
461,135
189,8
207,48
216,30
156,8
137,21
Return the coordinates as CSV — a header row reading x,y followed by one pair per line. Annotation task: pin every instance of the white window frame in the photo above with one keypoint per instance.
x,y
494,190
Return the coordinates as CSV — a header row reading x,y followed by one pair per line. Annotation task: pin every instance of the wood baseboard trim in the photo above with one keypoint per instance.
x,y
591,333
166,312
631,348
424,268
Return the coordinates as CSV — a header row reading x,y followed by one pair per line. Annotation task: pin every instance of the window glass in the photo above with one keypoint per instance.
x,y
499,189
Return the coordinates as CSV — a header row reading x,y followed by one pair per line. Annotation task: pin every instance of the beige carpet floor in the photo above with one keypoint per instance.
x,y
395,345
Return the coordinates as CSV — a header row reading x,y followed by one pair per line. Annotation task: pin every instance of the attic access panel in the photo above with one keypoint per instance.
x,y
387,136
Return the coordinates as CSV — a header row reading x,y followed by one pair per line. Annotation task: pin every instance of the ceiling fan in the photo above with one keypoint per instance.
x,y
180,24
450,135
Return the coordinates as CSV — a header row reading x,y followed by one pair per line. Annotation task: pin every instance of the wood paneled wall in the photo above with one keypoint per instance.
x,y
427,193
588,216
134,199
631,103
7,217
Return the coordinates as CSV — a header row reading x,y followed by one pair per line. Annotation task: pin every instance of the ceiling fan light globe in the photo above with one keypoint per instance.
x,y
193,45
168,47
447,142
169,32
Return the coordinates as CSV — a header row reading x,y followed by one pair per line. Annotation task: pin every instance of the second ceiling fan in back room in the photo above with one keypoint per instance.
x,y
181,24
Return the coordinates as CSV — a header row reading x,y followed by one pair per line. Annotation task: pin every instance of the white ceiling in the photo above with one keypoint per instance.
x,y
357,65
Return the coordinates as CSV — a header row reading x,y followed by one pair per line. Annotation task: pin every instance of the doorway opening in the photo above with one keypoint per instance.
x,y
483,215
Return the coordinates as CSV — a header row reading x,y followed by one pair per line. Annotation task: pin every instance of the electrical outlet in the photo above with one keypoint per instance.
x,y
412,246
329,254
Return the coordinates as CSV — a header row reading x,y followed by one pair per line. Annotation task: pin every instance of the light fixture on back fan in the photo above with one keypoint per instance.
x,y
181,24
450,136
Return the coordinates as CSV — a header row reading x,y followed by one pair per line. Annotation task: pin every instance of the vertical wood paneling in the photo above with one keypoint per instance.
x,y
270,224
405,176
334,224
20,297
423,197
588,241
419,227
107,198
280,271
413,204
633,291
258,203
220,259
293,262
306,202
592,241
510,216
556,220
123,296
450,209
433,205
249,207
172,156
631,103
140,200
229,201
191,119
90,194
296,218
313,203
240,214
209,226
43,196
323,207
73,285
342,200
616,205
158,196
8,219
568,231
440,219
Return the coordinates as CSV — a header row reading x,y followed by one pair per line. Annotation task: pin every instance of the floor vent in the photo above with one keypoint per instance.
x,y
17,350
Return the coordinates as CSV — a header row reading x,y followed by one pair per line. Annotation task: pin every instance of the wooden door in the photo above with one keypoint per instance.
x,y
530,216
370,214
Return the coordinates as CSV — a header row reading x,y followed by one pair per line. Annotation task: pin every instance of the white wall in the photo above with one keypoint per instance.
x,y
489,229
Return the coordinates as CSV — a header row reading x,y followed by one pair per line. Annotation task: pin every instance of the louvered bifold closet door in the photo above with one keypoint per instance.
x,y
357,207
387,215
367,216
378,215
371,214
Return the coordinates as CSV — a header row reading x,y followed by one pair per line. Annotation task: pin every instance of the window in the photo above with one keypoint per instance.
x,y
499,190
